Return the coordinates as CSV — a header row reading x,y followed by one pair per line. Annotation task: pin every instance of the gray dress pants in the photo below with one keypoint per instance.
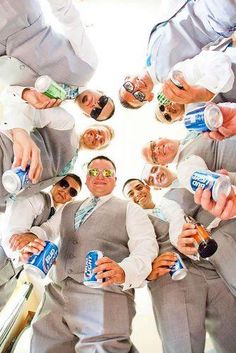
x,y
185,309
75,318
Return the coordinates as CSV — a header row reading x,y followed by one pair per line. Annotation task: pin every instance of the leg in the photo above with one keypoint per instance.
x,y
221,317
179,308
101,318
50,330
7,278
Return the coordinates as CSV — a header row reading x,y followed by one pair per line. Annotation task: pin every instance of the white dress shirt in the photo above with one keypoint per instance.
x,y
142,242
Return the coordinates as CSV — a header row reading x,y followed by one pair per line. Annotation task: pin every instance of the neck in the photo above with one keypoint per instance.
x,y
149,205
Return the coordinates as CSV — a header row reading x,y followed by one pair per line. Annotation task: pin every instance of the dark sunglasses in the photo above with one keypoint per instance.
x,y
95,112
139,95
166,115
65,185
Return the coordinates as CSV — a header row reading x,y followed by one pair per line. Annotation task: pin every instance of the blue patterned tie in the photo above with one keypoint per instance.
x,y
71,91
83,213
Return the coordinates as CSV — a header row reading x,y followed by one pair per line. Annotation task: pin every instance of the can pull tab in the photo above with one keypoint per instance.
x,y
189,219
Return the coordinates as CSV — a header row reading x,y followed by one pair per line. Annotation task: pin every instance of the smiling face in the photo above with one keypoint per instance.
x,y
100,185
158,176
96,137
138,193
162,151
170,113
60,194
95,104
136,90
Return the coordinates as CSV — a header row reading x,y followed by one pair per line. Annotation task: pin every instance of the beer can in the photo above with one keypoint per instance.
x,y
90,279
206,118
174,77
178,271
15,179
49,88
41,263
216,183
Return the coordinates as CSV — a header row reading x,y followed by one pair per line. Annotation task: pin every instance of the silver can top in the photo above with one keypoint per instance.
x,y
213,117
222,185
11,182
42,83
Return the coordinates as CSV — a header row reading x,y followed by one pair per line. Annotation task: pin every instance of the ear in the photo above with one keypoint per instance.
x,y
150,97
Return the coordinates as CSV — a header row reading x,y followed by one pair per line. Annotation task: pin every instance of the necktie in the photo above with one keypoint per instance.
x,y
82,214
52,212
71,91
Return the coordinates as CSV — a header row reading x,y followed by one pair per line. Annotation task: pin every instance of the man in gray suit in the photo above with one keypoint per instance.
x,y
83,319
30,48
194,25
185,309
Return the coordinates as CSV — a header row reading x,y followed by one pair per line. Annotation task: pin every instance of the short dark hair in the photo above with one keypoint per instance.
x,y
129,181
126,104
75,177
102,157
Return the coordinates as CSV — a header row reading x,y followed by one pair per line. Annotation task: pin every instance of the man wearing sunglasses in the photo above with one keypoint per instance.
x,y
164,51
193,301
94,319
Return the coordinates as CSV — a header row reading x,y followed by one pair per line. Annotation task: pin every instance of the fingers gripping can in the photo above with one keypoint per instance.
x,y
216,183
178,271
90,279
203,119
15,179
41,263
49,88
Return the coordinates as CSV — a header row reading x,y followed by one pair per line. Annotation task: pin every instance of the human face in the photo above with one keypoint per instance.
x,y
96,137
159,177
162,151
100,185
138,193
170,113
61,194
89,101
136,90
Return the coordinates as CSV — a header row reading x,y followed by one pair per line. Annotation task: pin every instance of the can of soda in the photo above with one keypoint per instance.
x,y
49,88
41,263
178,271
174,77
206,118
15,179
216,183
90,279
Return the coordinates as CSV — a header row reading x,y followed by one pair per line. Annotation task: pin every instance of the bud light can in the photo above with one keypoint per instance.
x,y
216,183
174,77
178,271
207,118
15,179
42,262
90,279
49,88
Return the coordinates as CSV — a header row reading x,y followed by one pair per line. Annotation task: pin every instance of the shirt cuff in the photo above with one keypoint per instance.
x,y
39,232
132,280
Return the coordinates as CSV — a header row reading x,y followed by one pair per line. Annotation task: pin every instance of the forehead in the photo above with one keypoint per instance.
x,y
133,184
101,164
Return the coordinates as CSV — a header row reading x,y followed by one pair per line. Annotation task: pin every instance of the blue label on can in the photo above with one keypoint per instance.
x,y
90,264
176,267
22,175
46,258
195,120
204,180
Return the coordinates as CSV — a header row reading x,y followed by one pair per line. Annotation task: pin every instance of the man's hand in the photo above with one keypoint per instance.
x,y
229,124
161,265
25,151
110,271
224,208
39,100
19,241
185,242
187,94
34,247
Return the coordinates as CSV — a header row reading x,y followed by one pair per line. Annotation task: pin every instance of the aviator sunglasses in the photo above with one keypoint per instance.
x,y
65,185
106,173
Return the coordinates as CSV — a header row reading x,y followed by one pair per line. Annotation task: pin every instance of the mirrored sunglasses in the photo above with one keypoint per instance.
x,y
139,95
106,173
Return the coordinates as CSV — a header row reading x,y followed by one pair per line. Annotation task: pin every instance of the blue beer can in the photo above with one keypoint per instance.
x,y
15,179
216,183
90,279
178,271
206,118
42,262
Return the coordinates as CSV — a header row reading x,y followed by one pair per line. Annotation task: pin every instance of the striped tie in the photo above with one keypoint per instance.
x,y
82,214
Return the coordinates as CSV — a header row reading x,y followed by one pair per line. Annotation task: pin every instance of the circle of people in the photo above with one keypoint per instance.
x,y
139,239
